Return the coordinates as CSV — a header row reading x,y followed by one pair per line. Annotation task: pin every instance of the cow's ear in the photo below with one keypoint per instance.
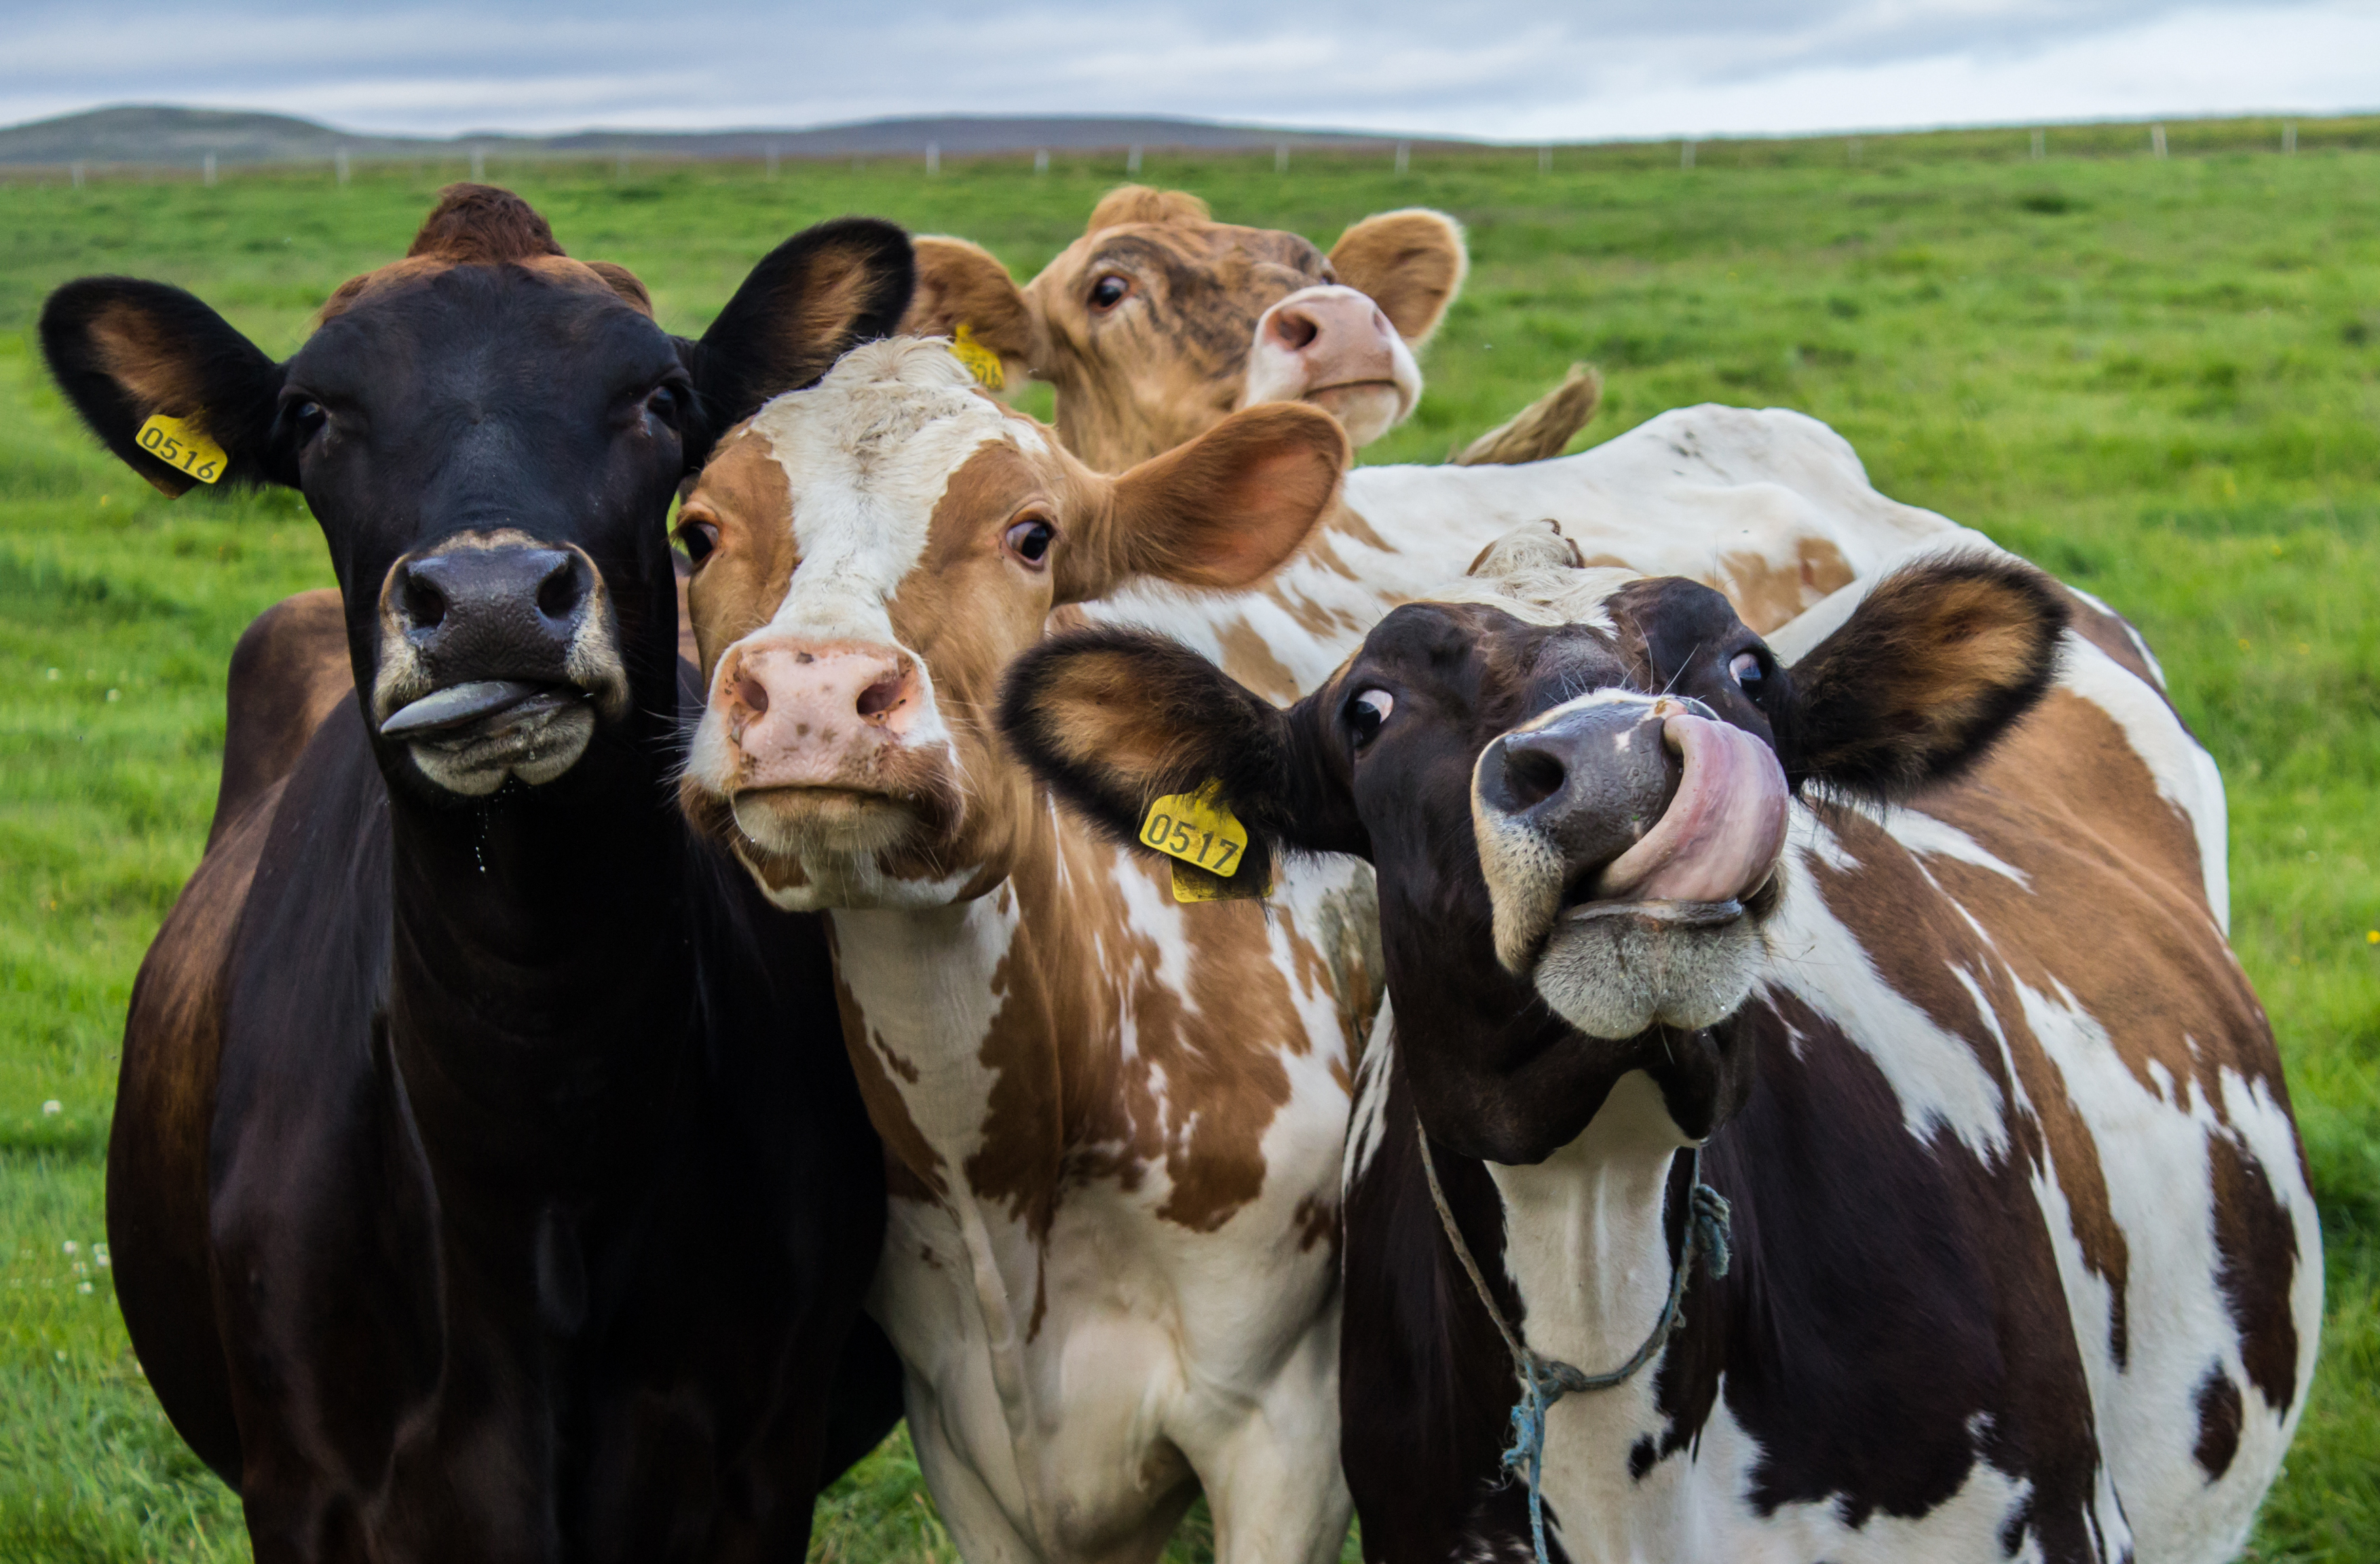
x,y
1412,263
808,303
1113,720
1220,512
126,351
966,294
1932,667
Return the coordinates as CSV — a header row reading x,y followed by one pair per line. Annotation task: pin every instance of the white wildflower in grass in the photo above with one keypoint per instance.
x,y
99,1255
83,1288
71,1246
52,1108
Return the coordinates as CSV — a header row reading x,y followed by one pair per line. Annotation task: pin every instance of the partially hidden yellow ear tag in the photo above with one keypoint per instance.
x,y
1196,829
980,361
182,446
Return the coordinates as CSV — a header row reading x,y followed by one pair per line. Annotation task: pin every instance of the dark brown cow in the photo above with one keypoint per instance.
x,y
486,1180
2024,1261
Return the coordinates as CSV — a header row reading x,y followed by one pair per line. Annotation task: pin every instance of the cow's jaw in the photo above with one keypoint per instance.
x,y
1641,904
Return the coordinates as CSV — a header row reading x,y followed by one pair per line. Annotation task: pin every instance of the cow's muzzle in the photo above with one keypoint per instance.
x,y
1621,837
499,656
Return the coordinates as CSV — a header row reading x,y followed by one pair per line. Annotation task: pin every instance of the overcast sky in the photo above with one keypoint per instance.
x,y
1522,69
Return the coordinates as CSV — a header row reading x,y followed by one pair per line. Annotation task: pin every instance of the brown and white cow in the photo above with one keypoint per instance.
x,y
1111,1267
1159,321
2024,1260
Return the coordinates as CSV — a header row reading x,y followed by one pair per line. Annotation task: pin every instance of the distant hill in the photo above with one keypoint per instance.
x,y
160,134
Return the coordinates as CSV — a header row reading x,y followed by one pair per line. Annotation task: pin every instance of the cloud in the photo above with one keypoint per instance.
x,y
1511,68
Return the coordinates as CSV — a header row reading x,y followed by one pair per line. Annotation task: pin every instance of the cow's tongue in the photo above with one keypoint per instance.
x,y
1722,834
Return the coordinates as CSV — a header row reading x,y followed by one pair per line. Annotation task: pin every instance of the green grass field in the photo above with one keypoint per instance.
x,y
2158,378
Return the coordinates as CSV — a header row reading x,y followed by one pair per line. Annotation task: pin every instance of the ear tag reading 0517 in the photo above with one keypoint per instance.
x,y
980,361
1197,829
181,445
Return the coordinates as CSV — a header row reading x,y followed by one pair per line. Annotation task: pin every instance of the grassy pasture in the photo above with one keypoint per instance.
x,y
2158,378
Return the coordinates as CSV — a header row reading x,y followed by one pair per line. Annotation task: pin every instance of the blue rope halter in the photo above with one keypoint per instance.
x,y
1547,1380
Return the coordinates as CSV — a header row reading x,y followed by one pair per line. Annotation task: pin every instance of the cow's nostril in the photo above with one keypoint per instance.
x,y
881,696
1531,775
423,604
753,695
1296,329
559,595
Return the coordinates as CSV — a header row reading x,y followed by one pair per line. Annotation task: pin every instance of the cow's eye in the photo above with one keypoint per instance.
x,y
1029,540
667,403
308,418
698,537
1367,712
1110,291
1745,668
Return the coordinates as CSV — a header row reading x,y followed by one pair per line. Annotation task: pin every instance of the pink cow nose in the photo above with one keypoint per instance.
x,y
804,713
1342,328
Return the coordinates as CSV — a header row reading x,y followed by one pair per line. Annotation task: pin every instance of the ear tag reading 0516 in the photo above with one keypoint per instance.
x,y
1198,830
181,445
980,361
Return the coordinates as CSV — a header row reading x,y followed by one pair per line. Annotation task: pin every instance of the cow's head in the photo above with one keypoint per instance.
x,y
1575,784
490,434
870,556
1159,321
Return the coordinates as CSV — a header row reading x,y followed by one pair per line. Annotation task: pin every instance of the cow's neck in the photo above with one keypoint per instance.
x,y
539,989
1586,1244
1001,995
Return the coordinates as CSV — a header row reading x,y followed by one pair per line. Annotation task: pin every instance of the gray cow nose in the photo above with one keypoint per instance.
x,y
1591,782
493,613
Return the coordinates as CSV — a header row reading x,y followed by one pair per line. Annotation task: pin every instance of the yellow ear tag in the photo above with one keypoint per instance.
x,y
1197,829
980,361
181,445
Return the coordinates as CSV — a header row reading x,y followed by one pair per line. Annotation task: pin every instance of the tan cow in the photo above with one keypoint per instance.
x,y
1111,1269
1159,321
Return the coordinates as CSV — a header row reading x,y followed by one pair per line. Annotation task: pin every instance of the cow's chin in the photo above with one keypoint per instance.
x,y
1614,973
536,741
818,849
1366,409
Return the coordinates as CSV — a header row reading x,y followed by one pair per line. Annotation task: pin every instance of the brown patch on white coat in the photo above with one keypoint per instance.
x,y
1112,1110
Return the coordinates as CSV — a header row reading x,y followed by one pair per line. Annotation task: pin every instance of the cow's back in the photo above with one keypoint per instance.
x,y
1769,507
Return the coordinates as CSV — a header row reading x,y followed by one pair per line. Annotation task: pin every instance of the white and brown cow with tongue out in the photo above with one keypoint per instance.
x,y
1112,1267
1901,932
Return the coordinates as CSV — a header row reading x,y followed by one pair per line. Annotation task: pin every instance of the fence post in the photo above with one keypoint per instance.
x,y
1280,157
2290,136
1404,157
623,166
934,157
1545,157
2156,140
478,165
76,168
339,164
1041,161
1850,150
1131,159
209,168
1685,154
2040,143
